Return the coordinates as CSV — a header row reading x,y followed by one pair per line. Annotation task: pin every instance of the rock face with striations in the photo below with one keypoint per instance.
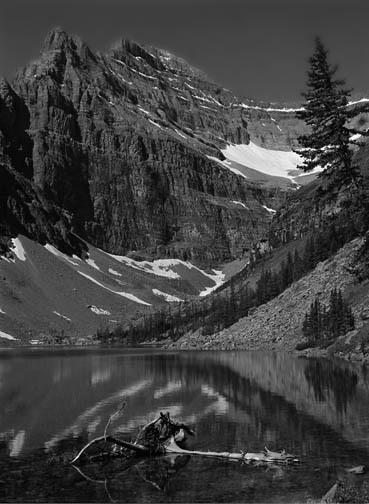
x,y
23,207
123,142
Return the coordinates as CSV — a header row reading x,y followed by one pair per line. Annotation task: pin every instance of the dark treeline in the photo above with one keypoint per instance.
x,y
318,247
330,322
224,308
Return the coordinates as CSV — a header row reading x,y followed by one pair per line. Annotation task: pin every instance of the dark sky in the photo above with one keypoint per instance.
x,y
257,48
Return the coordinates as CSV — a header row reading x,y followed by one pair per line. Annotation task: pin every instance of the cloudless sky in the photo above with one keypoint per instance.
x,y
256,48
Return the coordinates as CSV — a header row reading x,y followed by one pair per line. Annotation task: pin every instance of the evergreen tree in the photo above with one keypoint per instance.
x,y
335,321
325,112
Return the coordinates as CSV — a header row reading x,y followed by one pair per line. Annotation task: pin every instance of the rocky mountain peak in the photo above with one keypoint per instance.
x,y
129,143
60,46
126,49
59,39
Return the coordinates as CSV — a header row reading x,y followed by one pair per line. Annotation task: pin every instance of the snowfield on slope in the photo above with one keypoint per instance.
x,y
270,162
165,268
18,249
6,336
168,297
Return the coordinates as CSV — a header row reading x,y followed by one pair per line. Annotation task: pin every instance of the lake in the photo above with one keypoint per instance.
x,y
54,401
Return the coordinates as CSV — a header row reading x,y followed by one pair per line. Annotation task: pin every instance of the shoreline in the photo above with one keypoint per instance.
x,y
166,346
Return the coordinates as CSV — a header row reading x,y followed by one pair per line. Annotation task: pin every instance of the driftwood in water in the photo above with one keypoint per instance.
x,y
162,435
151,440
264,456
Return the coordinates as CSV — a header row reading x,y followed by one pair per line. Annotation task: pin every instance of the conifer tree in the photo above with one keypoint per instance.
x,y
335,321
325,112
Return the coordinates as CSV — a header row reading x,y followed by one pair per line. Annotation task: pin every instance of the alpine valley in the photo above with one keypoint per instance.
x,y
131,184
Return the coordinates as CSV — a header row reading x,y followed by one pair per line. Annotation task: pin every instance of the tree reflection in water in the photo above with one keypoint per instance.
x,y
327,377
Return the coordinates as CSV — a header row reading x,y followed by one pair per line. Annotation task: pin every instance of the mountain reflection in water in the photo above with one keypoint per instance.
x,y
53,402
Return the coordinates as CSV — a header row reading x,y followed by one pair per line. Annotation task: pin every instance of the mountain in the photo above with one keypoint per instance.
x,y
136,133
136,154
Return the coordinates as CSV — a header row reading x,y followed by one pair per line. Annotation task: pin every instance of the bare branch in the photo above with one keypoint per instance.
x,y
114,415
124,444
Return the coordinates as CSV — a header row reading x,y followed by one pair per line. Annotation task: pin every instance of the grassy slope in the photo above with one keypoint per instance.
x,y
32,290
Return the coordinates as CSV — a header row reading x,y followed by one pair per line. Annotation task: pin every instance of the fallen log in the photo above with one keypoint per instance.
x,y
356,470
266,456
162,435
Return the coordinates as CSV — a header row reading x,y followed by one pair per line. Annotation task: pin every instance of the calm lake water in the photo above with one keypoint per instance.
x,y
53,402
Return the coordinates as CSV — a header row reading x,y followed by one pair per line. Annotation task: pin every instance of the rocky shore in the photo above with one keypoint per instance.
x,y
277,325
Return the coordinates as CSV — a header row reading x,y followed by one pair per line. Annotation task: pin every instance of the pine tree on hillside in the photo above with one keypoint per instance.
x,y
325,112
335,321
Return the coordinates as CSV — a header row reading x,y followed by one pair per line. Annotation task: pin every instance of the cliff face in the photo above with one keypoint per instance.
x,y
122,142
24,209
128,142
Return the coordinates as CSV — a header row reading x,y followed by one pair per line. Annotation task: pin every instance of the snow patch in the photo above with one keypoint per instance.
x,y
2,311
216,101
144,111
130,83
208,108
271,162
119,61
270,210
131,297
17,249
155,124
202,99
159,267
99,311
168,297
271,109
92,263
362,100
7,336
217,277
62,316
189,85
145,75
113,272
240,203
180,134
59,254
